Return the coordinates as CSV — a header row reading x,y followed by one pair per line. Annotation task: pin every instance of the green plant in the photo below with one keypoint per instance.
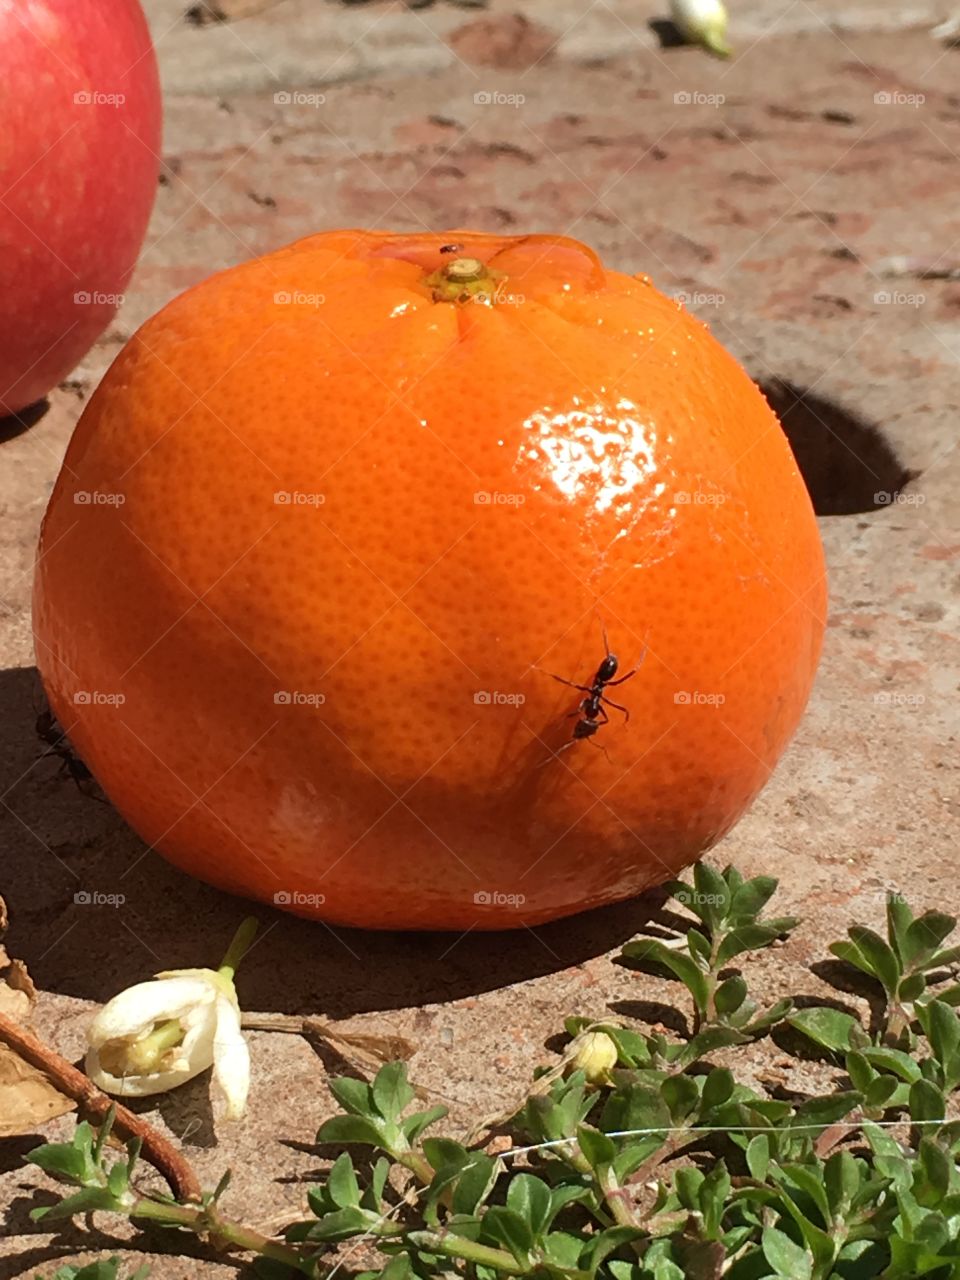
x,y
638,1158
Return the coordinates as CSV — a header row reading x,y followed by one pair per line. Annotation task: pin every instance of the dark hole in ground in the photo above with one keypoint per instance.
x,y
845,461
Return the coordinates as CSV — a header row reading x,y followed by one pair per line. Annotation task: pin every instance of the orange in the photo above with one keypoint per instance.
x,y
337,516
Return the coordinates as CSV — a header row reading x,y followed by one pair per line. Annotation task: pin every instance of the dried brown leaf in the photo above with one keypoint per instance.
x,y
27,1098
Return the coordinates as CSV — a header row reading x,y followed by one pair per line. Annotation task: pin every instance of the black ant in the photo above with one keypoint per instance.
x,y
49,731
451,248
591,713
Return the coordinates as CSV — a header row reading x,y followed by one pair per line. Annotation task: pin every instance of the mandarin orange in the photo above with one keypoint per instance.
x,y
335,519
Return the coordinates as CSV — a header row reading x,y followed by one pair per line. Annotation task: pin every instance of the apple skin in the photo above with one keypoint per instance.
x,y
80,128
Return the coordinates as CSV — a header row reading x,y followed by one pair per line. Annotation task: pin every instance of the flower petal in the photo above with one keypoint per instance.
x,y
134,1012
231,1058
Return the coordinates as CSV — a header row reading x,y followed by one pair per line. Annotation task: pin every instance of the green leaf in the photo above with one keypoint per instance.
x,y
824,1026
877,956
442,1152
475,1183
86,1201
753,895
776,1013
713,894
350,1129
564,1249
713,1197
391,1092
937,1168
718,1088
707,1041
730,995
342,1183
750,937
899,919
504,1226
880,1091
925,936
827,1109
699,947
117,1180
398,1268
62,1159
688,1182
681,1095
943,1029
912,987
926,1102
597,1148
787,1259
414,1125
893,1060
530,1198
861,1074
650,952
340,1225
841,1179
758,1157
353,1095
608,1241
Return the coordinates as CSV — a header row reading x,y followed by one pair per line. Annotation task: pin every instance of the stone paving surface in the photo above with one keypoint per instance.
x,y
773,191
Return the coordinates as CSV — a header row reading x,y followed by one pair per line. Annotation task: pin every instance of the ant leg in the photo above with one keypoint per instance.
x,y
634,671
610,703
571,684
621,679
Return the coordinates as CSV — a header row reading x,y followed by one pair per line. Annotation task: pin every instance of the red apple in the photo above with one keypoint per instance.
x,y
80,115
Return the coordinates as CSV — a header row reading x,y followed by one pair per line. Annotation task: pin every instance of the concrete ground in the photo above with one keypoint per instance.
x,y
773,191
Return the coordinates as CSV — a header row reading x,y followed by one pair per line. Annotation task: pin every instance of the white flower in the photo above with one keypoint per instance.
x,y
702,22
157,1035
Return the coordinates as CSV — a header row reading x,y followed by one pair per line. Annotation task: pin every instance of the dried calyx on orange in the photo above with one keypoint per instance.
x,y
335,519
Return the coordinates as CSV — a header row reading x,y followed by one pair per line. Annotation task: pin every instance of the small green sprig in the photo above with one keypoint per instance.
x,y
728,924
658,1165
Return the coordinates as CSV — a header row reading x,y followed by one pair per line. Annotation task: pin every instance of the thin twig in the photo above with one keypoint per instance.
x,y
93,1102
